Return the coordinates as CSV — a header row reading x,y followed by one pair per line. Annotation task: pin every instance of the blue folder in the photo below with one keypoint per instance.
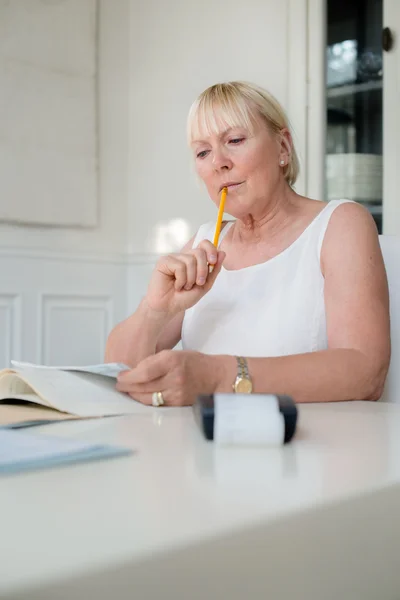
x,y
22,451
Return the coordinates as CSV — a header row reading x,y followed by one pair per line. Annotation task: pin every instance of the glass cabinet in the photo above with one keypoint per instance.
x,y
354,102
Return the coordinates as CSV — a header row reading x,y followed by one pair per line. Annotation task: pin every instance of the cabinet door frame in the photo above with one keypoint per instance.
x,y
316,111
316,99
391,122
297,84
305,102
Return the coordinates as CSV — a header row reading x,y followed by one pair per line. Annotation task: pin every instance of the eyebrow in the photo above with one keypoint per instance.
x,y
221,135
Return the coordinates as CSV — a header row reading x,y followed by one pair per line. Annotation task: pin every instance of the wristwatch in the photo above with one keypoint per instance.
x,y
243,383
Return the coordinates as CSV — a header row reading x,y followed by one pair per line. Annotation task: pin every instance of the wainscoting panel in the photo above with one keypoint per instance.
x,y
139,271
59,308
74,326
10,330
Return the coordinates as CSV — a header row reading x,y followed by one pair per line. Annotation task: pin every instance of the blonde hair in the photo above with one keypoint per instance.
x,y
236,104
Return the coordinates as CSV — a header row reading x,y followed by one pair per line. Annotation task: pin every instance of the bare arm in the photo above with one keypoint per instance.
x,y
357,308
136,338
143,333
178,282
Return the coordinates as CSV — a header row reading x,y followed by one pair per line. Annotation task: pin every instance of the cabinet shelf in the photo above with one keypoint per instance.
x,y
354,88
375,210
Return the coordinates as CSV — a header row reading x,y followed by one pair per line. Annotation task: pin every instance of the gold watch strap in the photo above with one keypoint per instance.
x,y
243,369
243,383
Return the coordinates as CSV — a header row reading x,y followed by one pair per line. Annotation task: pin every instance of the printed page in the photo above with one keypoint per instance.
x,y
106,369
12,387
81,394
27,412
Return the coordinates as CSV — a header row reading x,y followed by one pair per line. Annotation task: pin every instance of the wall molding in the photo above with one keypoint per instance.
x,y
12,304
30,253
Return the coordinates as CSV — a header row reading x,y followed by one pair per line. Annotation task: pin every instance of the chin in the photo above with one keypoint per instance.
x,y
237,211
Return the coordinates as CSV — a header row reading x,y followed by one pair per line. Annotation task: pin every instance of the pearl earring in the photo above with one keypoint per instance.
x,y
282,162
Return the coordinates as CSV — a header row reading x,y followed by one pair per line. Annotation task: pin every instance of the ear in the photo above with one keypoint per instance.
x,y
286,145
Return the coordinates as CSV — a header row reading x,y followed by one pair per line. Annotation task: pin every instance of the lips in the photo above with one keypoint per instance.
x,y
230,184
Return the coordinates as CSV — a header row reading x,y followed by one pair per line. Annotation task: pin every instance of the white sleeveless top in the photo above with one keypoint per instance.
x,y
273,308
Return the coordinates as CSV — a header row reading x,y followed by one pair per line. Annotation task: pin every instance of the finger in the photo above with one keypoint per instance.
x,y
143,398
215,271
150,368
170,399
191,269
147,398
177,268
172,266
210,250
202,266
147,387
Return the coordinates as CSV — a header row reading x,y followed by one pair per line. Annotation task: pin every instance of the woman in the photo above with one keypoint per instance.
x,y
297,302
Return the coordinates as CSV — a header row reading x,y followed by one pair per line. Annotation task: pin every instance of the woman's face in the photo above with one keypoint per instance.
x,y
248,163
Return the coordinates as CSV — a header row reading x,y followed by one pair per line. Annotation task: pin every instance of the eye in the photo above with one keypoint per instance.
x,y
236,141
202,154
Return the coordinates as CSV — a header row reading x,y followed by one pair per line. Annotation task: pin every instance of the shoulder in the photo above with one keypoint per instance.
x,y
351,235
351,215
204,232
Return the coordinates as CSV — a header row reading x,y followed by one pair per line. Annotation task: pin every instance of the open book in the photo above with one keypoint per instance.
x,y
35,392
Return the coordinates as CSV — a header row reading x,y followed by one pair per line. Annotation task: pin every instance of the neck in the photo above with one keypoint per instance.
x,y
270,220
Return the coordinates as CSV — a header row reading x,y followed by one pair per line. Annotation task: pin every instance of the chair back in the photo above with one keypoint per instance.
x,y
390,246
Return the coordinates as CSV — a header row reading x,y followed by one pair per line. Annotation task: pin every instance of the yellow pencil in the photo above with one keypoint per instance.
x,y
219,221
220,215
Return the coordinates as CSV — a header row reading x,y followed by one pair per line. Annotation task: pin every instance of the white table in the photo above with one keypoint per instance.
x,y
183,519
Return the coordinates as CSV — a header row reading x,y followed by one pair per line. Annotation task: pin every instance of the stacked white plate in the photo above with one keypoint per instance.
x,y
354,176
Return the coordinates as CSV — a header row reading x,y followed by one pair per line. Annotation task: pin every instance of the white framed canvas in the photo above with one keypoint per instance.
x,y
48,112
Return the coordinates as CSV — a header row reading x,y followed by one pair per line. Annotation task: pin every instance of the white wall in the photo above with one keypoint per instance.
x,y
177,50
62,289
112,117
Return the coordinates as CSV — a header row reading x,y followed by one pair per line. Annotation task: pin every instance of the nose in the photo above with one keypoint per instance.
x,y
221,162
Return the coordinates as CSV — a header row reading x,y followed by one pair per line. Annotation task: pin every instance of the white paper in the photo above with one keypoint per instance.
x,y
106,369
84,394
247,419
88,391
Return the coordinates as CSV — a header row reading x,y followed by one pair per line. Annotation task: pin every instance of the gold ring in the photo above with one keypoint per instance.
x,y
157,399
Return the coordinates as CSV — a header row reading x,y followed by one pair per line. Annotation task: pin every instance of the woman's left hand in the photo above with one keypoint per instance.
x,y
180,376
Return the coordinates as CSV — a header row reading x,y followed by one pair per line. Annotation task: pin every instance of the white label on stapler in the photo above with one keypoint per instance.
x,y
247,419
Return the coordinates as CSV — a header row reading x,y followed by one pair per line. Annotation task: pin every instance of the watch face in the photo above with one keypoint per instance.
x,y
243,386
